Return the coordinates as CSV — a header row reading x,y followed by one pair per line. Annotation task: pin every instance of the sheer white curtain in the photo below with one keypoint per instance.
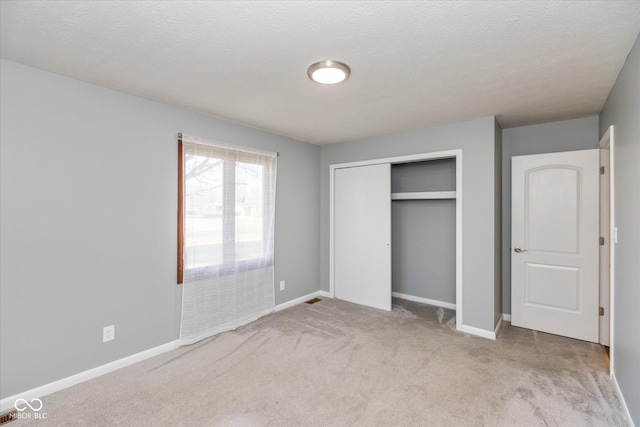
x,y
228,228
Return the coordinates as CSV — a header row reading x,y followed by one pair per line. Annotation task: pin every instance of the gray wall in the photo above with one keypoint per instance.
x,y
567,135
431,175
424,231
622,110
423,261
88,222
477,140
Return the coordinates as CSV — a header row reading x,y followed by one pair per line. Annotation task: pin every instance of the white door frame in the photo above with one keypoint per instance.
x,y
605,243
608,141
457,154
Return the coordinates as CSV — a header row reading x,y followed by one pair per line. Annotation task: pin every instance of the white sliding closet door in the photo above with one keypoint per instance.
x,y
362,235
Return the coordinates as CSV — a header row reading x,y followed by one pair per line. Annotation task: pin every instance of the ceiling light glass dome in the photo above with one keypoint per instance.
x,y
328,72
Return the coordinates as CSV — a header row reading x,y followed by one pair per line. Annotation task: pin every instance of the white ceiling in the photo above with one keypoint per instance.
x,y
414,64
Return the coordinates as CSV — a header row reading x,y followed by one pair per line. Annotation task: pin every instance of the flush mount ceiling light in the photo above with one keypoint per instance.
x,y
328,72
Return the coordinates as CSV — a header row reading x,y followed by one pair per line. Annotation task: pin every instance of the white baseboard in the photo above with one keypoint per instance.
x,y
499,325
506,317
477,331
424,300
301,299
8,402
625,408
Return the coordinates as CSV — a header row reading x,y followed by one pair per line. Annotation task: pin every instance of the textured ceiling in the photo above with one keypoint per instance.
x,y
414,64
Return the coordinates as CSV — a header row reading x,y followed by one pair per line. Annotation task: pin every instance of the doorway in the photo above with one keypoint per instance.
x,y
607,144
560,239
555,241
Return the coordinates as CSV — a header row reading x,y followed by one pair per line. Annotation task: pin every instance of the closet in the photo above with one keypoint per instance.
x,y
423,230
396,228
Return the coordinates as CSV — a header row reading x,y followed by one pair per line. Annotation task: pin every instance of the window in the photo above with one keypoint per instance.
x,y
226,202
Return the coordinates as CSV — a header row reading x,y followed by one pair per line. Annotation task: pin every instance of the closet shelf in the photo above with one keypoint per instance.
x,y
424,195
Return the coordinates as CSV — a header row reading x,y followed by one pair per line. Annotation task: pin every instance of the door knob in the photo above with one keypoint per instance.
x,y
518,250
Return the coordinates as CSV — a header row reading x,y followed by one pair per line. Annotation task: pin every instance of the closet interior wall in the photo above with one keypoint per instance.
x,y
424,230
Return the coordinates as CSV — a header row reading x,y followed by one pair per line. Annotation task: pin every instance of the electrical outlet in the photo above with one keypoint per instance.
x,y
282,285
108,333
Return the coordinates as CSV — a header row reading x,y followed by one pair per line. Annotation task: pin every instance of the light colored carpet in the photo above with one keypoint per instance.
x,y
336,363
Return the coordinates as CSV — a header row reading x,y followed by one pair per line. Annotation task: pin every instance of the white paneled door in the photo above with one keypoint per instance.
x,y
362,235
555,243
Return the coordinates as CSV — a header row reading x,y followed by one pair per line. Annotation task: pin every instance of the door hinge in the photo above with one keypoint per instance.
x,y
601,311
601,170
601,241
